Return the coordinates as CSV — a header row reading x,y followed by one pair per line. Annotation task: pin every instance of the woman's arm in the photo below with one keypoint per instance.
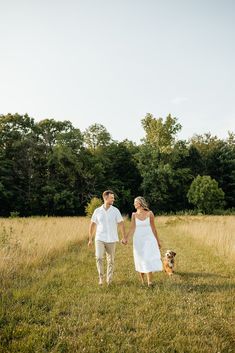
x,y
132,226
154,228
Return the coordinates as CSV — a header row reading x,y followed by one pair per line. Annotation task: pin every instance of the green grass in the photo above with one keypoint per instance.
x,y
58,306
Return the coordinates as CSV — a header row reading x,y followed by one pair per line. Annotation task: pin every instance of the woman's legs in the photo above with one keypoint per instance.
x,y
142,277
150,278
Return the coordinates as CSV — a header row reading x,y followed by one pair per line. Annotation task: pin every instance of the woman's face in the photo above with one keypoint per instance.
x,y
137,204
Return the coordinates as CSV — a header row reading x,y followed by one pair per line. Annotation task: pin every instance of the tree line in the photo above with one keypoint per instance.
x,y
52,168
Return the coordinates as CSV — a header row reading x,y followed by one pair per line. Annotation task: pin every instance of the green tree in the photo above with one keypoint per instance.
x,y
195,161
59,167
17,156
221,166
40,170
121,174
96,136
217,159
58,196
166,177
231,138
156,176
205,194
160,134
50,132
182,176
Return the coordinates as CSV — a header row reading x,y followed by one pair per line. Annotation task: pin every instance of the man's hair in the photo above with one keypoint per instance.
x,y
106,193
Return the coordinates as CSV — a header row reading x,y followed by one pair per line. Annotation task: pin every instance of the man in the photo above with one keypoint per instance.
x,y
104,221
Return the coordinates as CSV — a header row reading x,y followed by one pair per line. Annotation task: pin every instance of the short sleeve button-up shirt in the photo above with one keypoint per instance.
x,y
106,221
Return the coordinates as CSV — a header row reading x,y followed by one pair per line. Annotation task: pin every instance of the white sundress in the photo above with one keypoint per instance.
x,y
147,257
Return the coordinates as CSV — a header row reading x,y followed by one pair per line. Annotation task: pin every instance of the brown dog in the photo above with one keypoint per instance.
x,y
169,262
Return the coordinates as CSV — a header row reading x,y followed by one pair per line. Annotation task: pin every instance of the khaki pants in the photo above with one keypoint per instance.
x,y
100,248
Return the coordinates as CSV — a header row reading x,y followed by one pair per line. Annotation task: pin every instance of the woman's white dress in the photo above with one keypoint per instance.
x,y
147,257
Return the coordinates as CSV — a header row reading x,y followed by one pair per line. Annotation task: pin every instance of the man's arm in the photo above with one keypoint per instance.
x,y
121,227
91,232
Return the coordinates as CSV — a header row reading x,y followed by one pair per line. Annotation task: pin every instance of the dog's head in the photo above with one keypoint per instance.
x,y
170,254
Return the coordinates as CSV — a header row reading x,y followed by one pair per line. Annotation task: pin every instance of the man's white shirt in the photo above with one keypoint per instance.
x,y
106,222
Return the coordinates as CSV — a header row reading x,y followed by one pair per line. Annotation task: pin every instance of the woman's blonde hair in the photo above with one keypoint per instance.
x,y
143,202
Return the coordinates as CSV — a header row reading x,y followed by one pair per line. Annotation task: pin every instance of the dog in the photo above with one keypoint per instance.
x,y
169,262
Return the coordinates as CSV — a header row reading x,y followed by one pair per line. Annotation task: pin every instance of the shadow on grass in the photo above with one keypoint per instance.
x,y
206,288
134,285
200,275
191,282
123,284
214,282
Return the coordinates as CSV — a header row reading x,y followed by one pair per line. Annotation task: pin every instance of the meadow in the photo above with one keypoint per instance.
x,y
51,301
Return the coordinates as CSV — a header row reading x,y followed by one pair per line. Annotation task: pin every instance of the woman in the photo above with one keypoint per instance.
x,y
146,244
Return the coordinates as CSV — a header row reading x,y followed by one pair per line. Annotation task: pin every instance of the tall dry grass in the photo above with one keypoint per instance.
x,y
217,232
27,241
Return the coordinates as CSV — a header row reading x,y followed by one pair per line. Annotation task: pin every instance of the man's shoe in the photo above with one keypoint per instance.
x,y
100,282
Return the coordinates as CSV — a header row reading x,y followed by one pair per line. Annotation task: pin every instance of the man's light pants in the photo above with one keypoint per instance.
x,y
100,248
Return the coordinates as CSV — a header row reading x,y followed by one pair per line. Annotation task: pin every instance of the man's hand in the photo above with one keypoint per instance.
x,y
90,243
123,232
91,234
124,241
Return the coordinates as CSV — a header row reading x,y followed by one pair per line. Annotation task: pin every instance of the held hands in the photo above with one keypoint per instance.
x,y
90,243
124,241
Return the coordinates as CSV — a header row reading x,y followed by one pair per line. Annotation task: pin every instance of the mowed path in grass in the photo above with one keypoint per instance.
x,y
59,307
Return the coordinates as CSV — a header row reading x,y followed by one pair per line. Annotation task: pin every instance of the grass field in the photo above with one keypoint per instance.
x,y
51,302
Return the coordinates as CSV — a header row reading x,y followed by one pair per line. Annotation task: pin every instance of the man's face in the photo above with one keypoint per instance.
x,y
109,199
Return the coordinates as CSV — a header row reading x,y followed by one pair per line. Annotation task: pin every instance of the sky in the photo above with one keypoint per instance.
x,y
112,61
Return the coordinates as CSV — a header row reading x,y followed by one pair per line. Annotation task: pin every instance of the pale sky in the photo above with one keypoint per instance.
x,y
112,61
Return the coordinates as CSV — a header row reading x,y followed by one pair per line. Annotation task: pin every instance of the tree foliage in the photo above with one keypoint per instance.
x,y
52,168
96,136
205,194
160,134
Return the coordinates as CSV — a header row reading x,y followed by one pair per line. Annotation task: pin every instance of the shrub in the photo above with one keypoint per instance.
x,y
205,194
92,205
14,214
